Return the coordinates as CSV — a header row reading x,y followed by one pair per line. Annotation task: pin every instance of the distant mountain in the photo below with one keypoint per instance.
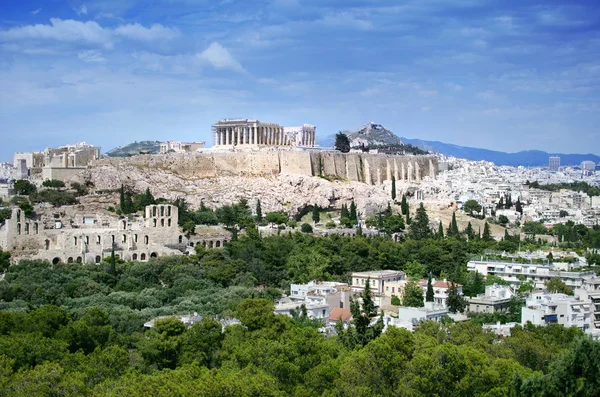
x,y
528,158
149,147
373,134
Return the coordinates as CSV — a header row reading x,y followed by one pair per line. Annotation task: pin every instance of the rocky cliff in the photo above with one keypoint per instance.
x,y
284,181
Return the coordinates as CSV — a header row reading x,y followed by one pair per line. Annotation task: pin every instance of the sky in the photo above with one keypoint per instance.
x,y
503,75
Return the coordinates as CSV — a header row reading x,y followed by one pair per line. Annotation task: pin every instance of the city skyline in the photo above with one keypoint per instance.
x,y
506,76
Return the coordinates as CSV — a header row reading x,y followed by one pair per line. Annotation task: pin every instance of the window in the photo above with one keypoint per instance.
x,y
154,223
162,211
135,238
341,305
162,223
154,211
124,238
146,240
87,239
169,211
393,288
169,223
75,241
98,240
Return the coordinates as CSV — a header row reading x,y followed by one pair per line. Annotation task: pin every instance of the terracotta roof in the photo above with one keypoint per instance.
x,y
338,313
444,284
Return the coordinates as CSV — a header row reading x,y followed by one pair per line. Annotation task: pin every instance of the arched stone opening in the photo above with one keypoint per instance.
x,y
70,260
143,257
217,244
55,261
79,259
154,255
134,257
180,239
98,258
210,244
47,244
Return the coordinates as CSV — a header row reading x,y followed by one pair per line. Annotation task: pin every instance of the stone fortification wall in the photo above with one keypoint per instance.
x,y
367,168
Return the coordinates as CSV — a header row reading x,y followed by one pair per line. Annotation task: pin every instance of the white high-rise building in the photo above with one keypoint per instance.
x,y
554,163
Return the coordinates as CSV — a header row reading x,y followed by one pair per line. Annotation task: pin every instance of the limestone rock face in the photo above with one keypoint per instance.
x,y
283,192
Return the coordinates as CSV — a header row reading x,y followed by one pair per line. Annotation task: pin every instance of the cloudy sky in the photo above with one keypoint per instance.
x,y
505,75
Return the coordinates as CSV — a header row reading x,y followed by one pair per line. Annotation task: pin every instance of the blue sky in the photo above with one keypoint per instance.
x,y
504,75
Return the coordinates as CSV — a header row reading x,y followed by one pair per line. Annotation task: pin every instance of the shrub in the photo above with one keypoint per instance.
x,y
306,228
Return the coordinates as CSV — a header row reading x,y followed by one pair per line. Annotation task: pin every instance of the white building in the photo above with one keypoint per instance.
x,y
301,291
377,279
415,315
495,299
440,291
180,147
313,310
515,273
544,308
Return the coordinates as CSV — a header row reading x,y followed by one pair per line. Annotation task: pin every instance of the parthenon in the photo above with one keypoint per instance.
x,y
247,132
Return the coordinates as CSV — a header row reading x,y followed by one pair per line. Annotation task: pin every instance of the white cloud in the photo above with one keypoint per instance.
x,y
93,56
34,12
346,20
87,33
480,43
155,32
82,10
220,58
69,31
454,86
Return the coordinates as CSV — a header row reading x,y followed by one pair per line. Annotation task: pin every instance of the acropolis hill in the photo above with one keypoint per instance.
x,y
283,180
372,169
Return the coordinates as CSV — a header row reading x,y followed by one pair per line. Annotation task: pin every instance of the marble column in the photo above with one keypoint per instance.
x,y
226,136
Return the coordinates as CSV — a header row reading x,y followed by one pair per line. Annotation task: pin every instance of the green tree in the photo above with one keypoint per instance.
x,y
396,301
487,235
429,294
393,188
455,301
361,332
556,285
344,213
53,183
471,206
453,228
4,260
125,201
316,216
419,228
24,188
503,220
259,216
413,294
519,206
469,231
440,233
276,218
404,205
189,228
353,214
342,143
306,228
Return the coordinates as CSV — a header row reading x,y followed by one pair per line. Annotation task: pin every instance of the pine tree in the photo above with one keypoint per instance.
x,y
509,202
388,211
316,217
506,235
408,220
456,303
404,205
122,198
453,229
380,221
393,188
441,231
487,235
147,199
344,213
353,215
500,204
469,231
519,206
429,294
259,216
420,229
